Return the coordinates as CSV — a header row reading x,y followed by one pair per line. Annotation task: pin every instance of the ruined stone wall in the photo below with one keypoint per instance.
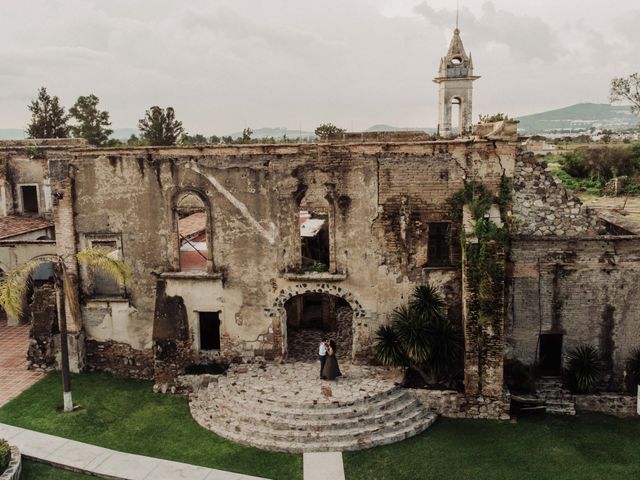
x,y
543,207
452,404
585,288
255,193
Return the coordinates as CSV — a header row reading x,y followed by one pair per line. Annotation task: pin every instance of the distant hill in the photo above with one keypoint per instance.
x,y
582,116
277,132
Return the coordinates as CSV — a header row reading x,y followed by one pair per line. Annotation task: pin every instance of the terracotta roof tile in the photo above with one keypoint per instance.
x,y
193,224
14,225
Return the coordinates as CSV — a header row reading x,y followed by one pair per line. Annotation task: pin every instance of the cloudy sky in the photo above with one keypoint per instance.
x,y
227,64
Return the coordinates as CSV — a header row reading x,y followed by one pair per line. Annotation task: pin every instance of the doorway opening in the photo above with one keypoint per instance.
x,y
209,330
314,316
550,354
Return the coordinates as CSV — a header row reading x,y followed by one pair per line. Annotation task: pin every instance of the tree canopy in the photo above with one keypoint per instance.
x,y
627,89
92,123
48,118
160,127
328,129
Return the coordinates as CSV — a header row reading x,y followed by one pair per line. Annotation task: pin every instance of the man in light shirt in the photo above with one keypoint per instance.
x,y
322,353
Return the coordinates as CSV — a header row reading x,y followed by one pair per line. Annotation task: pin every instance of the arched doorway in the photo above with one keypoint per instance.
x,y
314,316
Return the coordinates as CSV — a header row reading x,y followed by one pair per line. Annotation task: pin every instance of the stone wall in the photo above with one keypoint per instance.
x,y
43,317
453,404
587,289
120,359
543,207
609,404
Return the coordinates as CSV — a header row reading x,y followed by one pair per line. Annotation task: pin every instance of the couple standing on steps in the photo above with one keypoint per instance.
x,y
329,369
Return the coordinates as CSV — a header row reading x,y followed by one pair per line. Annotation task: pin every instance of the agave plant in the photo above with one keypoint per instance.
x,y
632,368
584,369
16,284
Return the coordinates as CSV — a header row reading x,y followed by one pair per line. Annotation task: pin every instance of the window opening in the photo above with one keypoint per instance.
x,y
209,330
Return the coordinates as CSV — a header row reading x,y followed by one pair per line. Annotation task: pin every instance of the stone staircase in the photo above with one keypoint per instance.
x,y
247,413
557,399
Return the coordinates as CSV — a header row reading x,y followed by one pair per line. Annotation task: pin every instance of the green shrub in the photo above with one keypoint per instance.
x,y
589,185
5,455
584,369
633,371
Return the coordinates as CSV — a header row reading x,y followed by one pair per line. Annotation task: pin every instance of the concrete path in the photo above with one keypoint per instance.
x,y
323,466
100,461
14,376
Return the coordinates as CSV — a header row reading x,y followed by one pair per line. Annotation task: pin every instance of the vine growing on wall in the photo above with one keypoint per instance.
x,y
484,252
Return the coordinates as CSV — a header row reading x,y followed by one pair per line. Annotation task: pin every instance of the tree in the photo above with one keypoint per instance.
x,y
14,287
626,90
246,135
420,337
159,127
92,123
328,129
197,139
48,118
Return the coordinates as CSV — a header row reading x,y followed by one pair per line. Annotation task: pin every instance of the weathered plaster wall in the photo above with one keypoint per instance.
x,y
587,289
379,198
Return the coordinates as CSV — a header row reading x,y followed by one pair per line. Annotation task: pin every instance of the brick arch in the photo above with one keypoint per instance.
x,y
326,288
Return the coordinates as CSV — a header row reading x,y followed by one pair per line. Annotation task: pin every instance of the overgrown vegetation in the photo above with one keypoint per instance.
x,y
591,169
584,369
632,368
421,338
5,455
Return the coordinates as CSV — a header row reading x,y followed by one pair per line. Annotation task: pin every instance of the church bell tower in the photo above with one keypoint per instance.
x,y
456,88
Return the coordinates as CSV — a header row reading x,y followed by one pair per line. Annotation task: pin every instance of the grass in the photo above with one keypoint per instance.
x,y
125,415
590,447
39,471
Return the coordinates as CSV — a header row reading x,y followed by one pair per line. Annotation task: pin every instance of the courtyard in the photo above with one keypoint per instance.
x,y
125,415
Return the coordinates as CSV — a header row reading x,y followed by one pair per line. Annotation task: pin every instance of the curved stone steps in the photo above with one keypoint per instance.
x,y
327,421
284,408
313,411
299,434
384,437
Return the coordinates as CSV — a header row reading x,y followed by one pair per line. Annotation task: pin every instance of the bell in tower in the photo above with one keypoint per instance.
x,y
456,88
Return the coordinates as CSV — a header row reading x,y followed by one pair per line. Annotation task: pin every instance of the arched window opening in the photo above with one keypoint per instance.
x,y
193,218
314,316
456,115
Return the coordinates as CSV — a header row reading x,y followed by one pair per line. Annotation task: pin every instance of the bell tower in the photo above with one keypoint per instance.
x,y
455,79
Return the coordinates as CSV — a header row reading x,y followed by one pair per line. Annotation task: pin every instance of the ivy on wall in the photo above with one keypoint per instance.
x,y
484,264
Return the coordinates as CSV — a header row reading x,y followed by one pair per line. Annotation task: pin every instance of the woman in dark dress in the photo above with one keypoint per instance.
x,y
331,369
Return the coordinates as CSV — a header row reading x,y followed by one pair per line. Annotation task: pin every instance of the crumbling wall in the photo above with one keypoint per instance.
x,y
43,318
587,289
543,207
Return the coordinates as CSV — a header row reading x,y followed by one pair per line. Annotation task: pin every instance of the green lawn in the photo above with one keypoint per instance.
x,y
126,415
589,447
39,471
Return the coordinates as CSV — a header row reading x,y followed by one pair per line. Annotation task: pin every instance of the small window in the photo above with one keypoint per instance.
x,y
314,241
104,285
29,198
438,248
209,330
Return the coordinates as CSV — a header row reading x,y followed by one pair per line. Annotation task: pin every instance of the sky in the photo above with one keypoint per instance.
x,y
227,64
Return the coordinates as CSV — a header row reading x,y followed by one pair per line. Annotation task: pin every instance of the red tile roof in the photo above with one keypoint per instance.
x,y
193,224
14,225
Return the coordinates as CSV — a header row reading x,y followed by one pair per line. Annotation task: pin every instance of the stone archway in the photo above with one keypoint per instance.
x,y
279,310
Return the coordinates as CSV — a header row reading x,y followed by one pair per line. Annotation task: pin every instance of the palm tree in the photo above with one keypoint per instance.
x,y
14,288
420,337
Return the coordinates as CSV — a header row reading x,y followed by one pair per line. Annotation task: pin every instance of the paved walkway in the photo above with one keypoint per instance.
x,y
108,463
323,466
14,376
